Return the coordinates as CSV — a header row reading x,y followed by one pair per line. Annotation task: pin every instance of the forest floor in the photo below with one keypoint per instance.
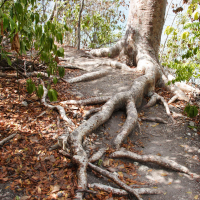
x,y
28,170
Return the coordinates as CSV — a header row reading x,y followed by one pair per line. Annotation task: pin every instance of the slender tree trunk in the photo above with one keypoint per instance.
x,y
79,24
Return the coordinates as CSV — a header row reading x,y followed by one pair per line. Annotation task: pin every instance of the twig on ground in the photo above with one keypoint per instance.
x,y
7,138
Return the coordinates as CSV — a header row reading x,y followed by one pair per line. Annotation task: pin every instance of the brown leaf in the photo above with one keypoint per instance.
x,y
57,59
15,43
2,27
55,188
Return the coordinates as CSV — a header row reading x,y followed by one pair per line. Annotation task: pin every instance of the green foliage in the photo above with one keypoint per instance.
x,y
61,71
191,110
183,46
52,94
28,19
30,86
40,91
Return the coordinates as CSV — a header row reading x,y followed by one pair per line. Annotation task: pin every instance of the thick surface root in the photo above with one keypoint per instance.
x,y
129,125
88,76
170,164
96,156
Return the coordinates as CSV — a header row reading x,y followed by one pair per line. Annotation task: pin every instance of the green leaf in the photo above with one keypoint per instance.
x,y
8,60
191,111
185,35
168,30
5,23
18,8
198,55
52,94
59,37
12,25
30,86
61,71
60,52
195,15
40,91
55,80
37,18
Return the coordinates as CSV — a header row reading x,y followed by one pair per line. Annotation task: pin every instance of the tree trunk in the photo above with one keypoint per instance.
x,y
79,24
144,28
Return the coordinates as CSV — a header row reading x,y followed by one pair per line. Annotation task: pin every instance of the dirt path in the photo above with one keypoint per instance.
x,y
175,141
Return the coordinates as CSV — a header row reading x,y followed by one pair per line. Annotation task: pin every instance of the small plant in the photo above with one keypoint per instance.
x,y
191,110
100,162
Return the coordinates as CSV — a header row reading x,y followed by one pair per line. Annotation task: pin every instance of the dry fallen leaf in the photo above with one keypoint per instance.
x,y
55,188
155,125
196,197
163,174
15,43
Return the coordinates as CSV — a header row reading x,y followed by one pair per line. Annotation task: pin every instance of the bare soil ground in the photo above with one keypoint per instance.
x,y
174,141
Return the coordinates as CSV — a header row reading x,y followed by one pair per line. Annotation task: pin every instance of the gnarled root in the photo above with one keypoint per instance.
x,y
151,158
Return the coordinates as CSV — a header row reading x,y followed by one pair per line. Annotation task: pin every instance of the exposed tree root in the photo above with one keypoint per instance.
x,y
89,76
121,192
72,67
114,178
7,138
91,112
60,109
154,98
153,119
121,66
151,158
96,156
93,100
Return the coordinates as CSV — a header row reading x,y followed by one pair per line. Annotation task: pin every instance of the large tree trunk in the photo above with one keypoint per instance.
x,y
141,45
